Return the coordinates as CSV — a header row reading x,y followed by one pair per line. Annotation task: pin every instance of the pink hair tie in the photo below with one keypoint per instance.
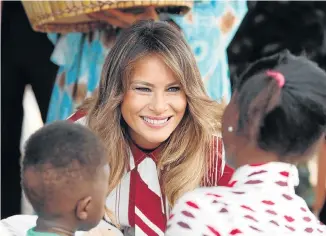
x,y
279,77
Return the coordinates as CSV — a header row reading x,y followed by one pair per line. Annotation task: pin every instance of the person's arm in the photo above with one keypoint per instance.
x,y
321,179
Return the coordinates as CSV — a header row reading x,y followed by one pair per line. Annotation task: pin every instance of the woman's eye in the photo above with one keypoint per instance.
x,y
174,89
143,89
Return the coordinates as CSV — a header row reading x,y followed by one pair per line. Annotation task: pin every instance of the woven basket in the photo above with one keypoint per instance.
x,y
71,16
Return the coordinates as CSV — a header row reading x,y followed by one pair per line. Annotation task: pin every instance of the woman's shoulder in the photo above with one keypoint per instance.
x,y
218,173
79,117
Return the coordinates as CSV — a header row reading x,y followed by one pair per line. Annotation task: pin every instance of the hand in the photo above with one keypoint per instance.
x,y
124,19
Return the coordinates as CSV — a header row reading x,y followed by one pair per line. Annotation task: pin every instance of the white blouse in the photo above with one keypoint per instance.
x,y
259,201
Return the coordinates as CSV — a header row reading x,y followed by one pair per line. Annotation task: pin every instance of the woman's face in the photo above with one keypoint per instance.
x,y
154,104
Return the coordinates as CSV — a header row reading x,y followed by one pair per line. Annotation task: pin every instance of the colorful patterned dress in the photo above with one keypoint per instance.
x,y
208,28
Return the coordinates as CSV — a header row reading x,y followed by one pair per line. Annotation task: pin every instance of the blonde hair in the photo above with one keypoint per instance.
x,y
187,149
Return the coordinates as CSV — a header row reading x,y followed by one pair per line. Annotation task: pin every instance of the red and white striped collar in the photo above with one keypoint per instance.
x,y
139,155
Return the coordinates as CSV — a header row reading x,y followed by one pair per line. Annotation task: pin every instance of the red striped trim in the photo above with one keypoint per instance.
x,y
144,227
149,203
132,197
214,175
220,156
213,165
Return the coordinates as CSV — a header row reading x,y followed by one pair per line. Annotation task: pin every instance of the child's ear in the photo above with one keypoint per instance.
x,y
83,208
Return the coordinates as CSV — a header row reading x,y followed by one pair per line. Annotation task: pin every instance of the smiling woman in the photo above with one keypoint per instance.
x,y
158,124
154,104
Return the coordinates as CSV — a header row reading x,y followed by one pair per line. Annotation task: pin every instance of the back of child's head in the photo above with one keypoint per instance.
x,y
64,171
282,104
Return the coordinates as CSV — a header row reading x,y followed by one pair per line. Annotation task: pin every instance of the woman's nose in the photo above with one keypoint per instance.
x,y
158,104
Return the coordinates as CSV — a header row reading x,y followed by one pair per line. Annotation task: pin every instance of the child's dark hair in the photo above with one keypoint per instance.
x,y
286,120
61,156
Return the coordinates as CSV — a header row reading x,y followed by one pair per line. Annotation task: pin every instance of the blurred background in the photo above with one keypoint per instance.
x,y
43,78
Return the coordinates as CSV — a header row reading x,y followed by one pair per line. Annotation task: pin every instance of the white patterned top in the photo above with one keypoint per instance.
x,y
259,201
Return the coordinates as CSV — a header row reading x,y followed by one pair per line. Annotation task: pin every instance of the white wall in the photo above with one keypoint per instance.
x,y
32,121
